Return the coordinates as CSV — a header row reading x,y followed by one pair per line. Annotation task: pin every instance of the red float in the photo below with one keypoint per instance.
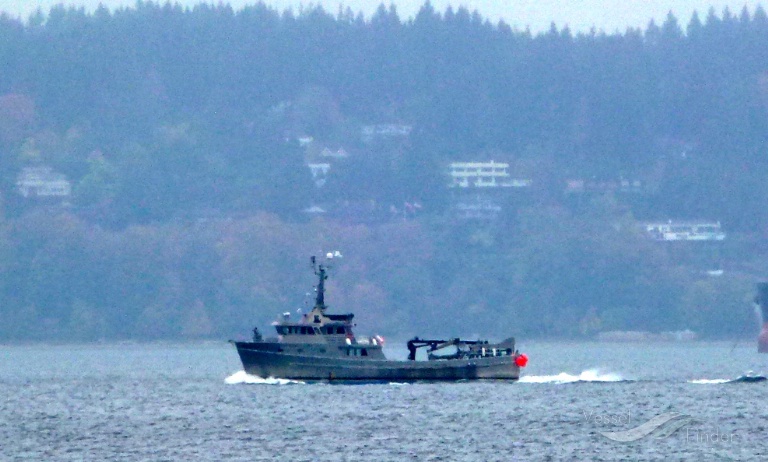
x,y
521,360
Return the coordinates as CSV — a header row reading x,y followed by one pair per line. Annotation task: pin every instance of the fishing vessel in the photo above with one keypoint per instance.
x,y
320,346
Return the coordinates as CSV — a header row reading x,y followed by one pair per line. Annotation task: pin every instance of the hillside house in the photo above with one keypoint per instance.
x,y
329,153
382,131
42,182
483,175
579,186
319,173
685,231
476,208
305,141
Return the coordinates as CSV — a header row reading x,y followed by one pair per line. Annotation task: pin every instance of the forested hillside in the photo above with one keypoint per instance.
x,y
185,135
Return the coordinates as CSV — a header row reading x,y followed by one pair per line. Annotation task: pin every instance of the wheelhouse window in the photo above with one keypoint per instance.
x,y
357,352
340,330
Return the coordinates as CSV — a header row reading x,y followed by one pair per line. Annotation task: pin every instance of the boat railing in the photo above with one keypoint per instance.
x,y
490,352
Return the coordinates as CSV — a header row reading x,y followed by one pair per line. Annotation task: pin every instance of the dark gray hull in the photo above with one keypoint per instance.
x,y
305,367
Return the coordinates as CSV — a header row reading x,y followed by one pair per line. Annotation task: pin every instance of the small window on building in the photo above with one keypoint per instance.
x,y
340,330
363,352
303,331
310,331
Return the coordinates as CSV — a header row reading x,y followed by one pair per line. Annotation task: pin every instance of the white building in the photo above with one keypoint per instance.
x,y
319,173
305,141
579,186
483,175
478,209
42,182
370,132
340,153
685,231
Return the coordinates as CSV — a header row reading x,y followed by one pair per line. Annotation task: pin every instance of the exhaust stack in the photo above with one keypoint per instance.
x,y
761,301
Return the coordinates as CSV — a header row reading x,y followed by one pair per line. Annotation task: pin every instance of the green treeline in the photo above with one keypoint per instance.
x,y
179,132
552,274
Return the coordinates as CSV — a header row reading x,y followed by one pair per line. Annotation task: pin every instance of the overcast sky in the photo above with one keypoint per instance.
x,y
579,15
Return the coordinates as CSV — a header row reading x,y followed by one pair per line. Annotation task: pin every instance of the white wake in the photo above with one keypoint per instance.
x,y
244,377
591,375
709,381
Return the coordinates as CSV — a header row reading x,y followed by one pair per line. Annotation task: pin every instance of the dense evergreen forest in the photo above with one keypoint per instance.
x,y
185,136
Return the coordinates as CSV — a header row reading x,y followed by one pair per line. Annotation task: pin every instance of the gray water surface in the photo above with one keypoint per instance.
x,y
193,402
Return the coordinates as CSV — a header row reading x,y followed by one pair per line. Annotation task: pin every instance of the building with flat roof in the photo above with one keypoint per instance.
x,y
685,231
483,175
42,182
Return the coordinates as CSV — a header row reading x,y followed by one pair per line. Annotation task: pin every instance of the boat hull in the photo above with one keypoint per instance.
x,y
305,367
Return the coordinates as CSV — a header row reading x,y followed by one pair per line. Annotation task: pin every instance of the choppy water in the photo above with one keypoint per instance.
x,y
192,402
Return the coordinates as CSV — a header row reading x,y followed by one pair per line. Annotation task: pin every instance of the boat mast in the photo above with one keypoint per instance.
x,y
320,273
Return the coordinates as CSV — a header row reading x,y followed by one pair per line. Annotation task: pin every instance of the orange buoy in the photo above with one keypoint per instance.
x,y
521,360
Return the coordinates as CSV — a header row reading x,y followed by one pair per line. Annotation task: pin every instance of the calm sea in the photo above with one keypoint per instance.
x,y
576,401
